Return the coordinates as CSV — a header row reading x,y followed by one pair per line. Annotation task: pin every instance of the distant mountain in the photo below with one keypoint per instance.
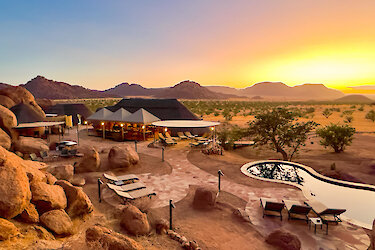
x,y
281,90
190,90
354,99
125,89
43,88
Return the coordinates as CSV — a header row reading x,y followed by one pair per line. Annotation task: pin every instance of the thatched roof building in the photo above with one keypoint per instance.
x,y
70,109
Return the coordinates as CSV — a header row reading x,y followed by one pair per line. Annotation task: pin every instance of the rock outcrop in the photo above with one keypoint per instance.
x,y
90,162
107,239
28,145
134,221
21,95
58,222
6,101
30,215
7,229
204,198
7,121
63,172
14,189
47,197
5,140
372,236
284,240
122,157
78,201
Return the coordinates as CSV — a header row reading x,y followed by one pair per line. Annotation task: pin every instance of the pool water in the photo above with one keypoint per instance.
x,y
359,203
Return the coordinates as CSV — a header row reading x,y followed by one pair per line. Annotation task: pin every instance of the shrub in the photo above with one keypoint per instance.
x,y
371,115
327,113
336,136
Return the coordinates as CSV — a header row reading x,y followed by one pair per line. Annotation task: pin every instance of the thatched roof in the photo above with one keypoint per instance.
x,y
165,109
70,109
100,115
118,116
26,113
142,116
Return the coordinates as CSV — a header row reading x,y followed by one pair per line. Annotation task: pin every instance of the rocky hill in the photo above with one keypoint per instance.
x,y
190,90
44,88
125,89
354,99
281,90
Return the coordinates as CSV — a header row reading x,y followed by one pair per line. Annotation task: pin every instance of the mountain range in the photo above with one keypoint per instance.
x,y
44,88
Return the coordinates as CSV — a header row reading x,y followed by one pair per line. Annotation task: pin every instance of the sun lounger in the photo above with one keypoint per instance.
x,y
43,154
181,135
189,135
271,207
168,136
297,210
132,195
127,187
325,213
203,137
166,140
33,157
121,179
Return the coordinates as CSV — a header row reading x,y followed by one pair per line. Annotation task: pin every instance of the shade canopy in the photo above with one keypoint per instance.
x,y
142,116
185,124
38,124
100,115
120,115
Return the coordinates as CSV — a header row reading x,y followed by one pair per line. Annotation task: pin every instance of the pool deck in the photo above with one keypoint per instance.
x,y
175,186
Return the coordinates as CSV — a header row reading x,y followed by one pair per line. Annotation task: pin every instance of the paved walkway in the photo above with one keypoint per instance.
x,y
184,173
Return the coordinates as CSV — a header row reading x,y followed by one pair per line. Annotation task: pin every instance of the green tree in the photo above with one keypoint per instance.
x,y
371,115
280,129
348,119
228,134
327,113
336,136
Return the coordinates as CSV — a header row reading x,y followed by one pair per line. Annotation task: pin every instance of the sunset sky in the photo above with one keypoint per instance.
x,y
98,44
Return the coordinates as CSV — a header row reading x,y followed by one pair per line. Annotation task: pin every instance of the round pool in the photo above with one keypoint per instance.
x,y
357,199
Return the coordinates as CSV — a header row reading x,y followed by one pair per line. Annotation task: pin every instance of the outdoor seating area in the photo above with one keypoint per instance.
x,y
322,215
128,187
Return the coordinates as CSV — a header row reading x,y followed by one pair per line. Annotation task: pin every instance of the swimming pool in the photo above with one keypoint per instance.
x,y
358,199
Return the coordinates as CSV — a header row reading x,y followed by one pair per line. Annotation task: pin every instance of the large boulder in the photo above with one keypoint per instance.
x,y
78,201
32,168
122,157
58,222
6,101
5,140
28,145
7,229
14,189
30,215
50,178
372,236
63,172
90,162
284,240
134,221
105,238
47,197
21,95
7,121
204,198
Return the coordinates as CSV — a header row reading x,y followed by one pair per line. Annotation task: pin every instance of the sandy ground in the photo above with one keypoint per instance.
x,y
359,121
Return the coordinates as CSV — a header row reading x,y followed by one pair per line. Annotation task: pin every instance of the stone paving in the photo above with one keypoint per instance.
x,y
184,173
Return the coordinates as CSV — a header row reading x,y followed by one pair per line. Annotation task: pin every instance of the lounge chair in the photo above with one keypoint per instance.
x,y
127,187
168,136
297,210
203,137
272,207
43,154
182,136
189,135
64,152
132,195
325,213
166,140
121,179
